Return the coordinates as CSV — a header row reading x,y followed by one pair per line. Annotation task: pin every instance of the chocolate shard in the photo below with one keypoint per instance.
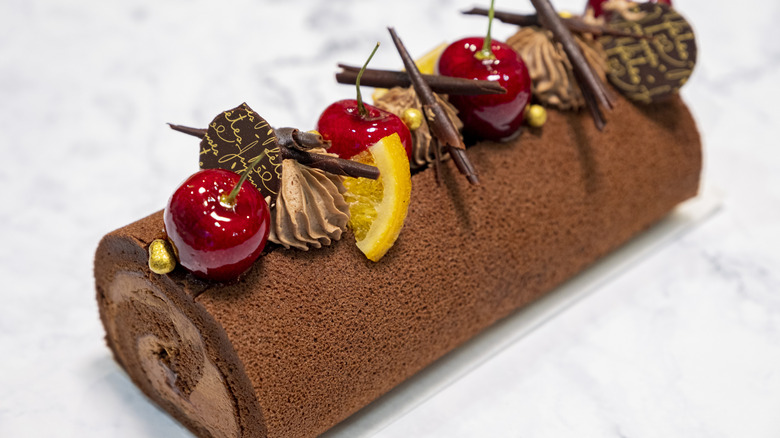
x,y
593,90
439,124
437,83
236,139
653,70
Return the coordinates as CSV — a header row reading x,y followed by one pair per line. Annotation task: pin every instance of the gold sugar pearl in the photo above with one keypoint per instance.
x,y
536,116
161,257
565,14
412,118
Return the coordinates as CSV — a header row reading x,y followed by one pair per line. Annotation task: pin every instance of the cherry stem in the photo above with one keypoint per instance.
x,y
362,108
230,200
487,51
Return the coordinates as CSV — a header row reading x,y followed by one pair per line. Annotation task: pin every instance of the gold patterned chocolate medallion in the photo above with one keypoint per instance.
x,y
652,69
235,139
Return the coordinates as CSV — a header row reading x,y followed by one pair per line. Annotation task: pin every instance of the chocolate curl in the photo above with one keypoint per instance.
x,y
593,90
439,124
291,148
295,138
574,24
437,83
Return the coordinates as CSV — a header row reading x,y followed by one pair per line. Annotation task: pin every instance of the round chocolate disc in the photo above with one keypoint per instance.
x,y
238,137
653,68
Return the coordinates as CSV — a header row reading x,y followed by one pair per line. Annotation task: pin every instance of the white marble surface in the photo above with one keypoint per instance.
x,y
684,344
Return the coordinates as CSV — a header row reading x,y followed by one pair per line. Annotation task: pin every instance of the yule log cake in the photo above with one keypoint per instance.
x,y
306,337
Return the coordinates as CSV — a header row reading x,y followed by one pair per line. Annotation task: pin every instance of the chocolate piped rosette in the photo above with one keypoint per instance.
x,y
300,274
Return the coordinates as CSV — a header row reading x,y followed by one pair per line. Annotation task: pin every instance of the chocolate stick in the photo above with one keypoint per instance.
x,y
439,84
334,165
574,24
195,132
439,124
436,159
593,89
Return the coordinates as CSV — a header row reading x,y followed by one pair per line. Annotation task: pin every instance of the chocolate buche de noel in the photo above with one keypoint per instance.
x,y
300,275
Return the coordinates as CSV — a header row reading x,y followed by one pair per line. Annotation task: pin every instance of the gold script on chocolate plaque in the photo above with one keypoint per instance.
x,y
651,69
235,139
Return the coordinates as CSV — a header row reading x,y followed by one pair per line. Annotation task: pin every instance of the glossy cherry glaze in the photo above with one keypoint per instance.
x,y
212,239
351,133
598,8
491,116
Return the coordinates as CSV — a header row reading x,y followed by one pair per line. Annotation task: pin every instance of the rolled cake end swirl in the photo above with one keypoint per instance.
x,y
170,348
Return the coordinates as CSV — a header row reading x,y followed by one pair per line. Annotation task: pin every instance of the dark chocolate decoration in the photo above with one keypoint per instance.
x,y
334,165
235,139
441,127
650,70
439,84
297,139
195,132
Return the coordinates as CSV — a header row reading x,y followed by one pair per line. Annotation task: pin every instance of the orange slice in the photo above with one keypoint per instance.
x,y
378,207
427,63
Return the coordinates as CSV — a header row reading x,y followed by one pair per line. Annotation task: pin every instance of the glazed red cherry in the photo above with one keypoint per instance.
x,y
491,116
216,237
351,132
352,126
596,6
